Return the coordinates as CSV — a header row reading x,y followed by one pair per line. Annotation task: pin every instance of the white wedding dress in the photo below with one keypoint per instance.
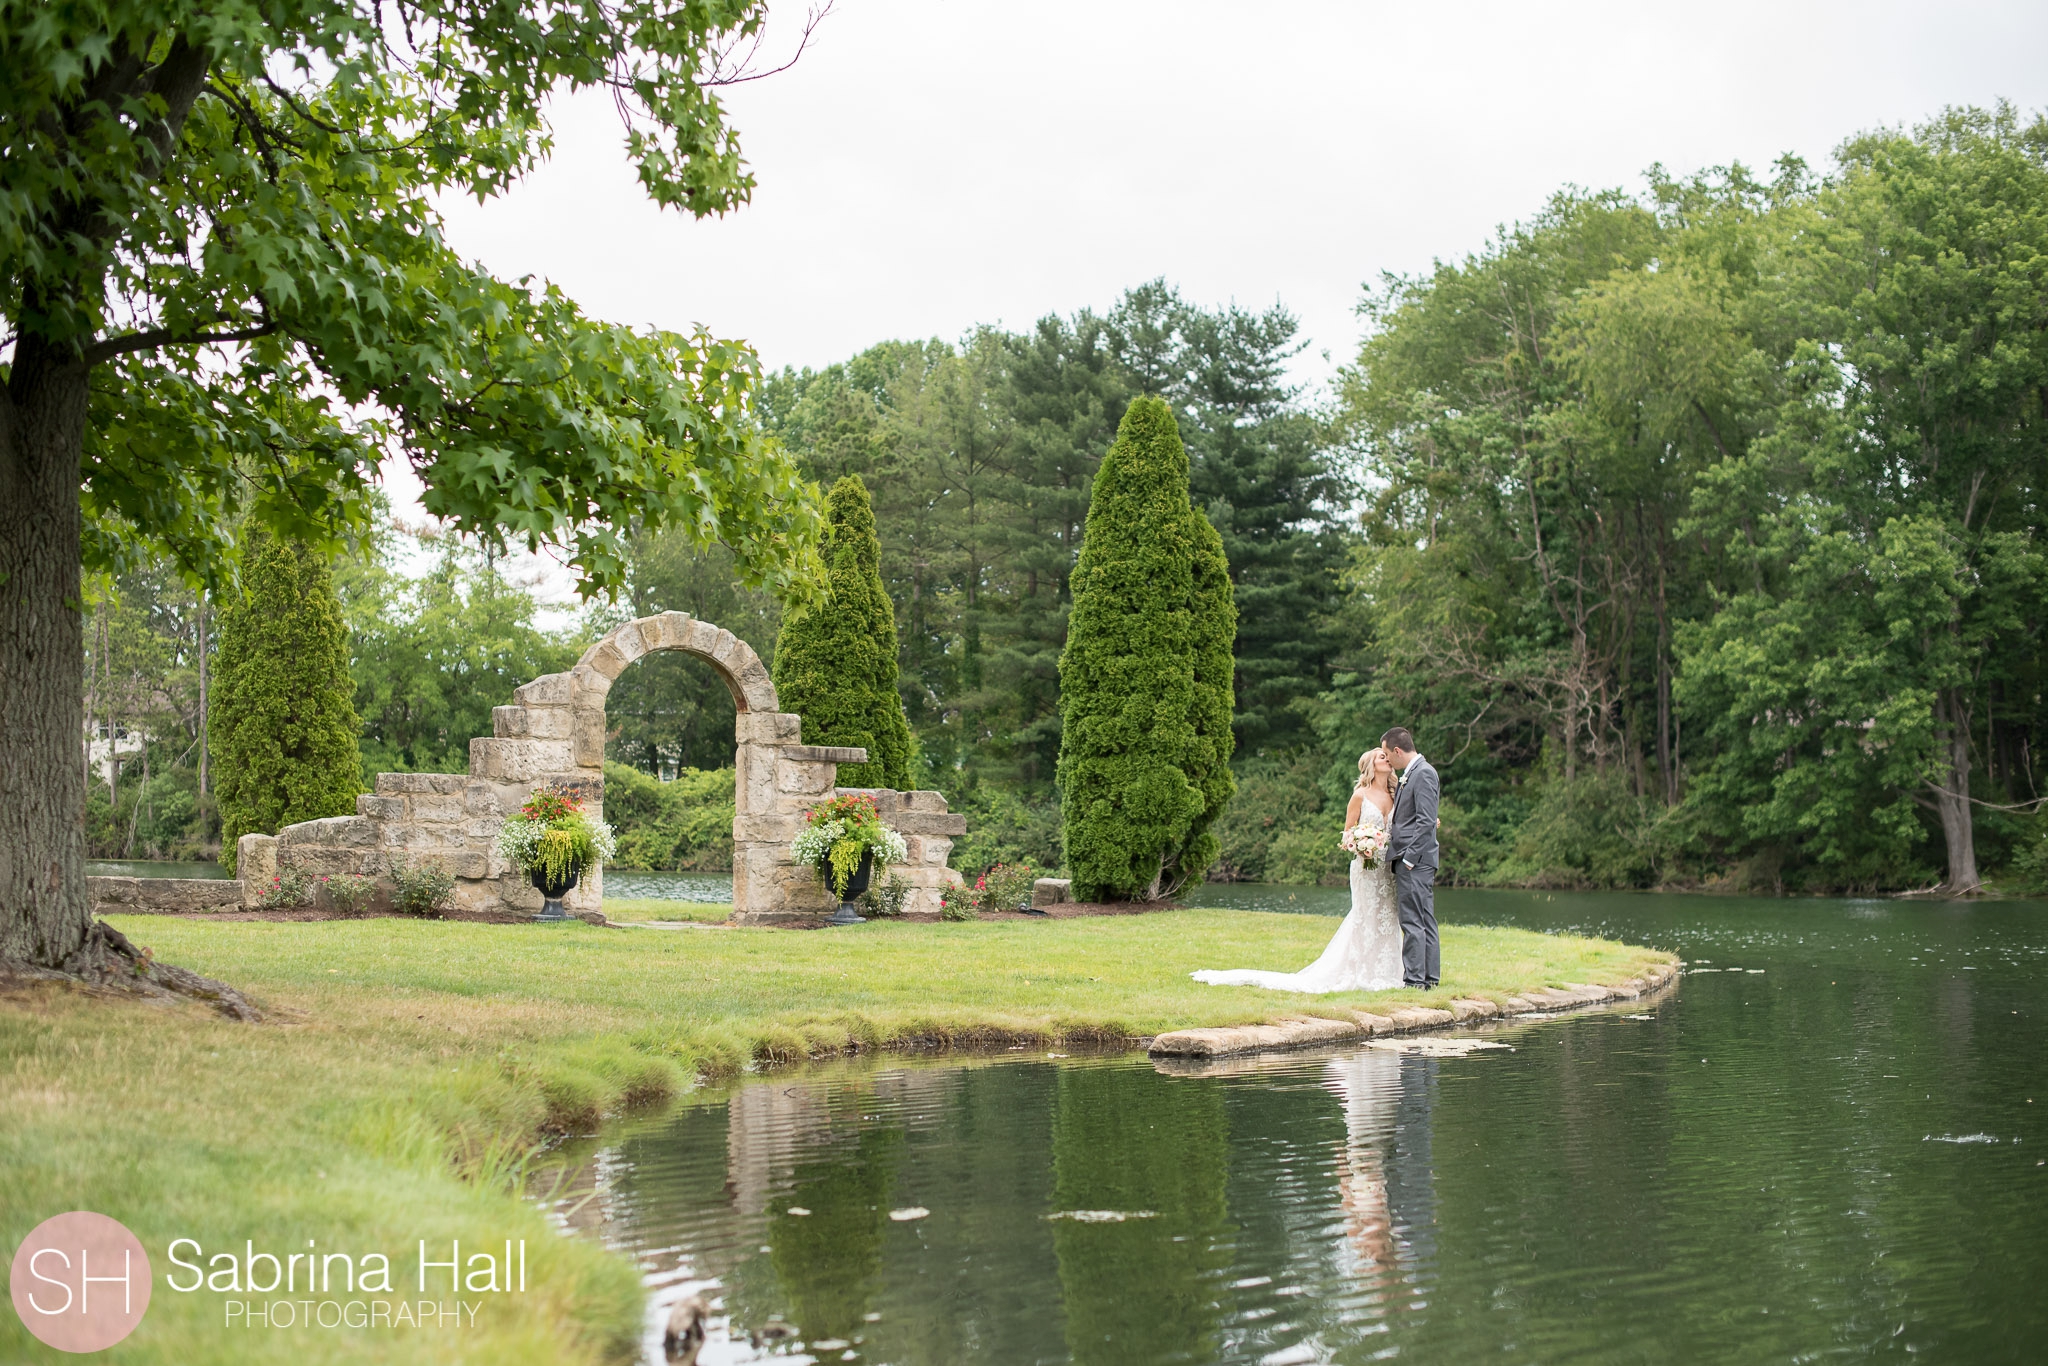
x,y
1365,953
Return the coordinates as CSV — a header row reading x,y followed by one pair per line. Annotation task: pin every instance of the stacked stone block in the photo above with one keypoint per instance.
x,y
552,734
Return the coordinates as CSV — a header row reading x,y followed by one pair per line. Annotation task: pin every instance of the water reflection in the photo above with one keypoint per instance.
x,y
1746,1169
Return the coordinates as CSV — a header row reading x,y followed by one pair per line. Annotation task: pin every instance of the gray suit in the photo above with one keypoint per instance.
x,y
1412,847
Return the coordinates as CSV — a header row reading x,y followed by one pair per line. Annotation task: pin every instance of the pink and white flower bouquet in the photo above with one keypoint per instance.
x,y
1368,842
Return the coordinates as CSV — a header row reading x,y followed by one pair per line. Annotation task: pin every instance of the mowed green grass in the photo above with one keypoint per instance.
x,y
408,1068
640,910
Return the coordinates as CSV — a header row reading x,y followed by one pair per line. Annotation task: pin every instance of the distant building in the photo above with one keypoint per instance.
x,y
107,745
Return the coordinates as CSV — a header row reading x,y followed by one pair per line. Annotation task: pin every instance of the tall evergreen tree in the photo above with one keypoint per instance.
x,y
835,662
1261,470
284,723
1130,759
1212,631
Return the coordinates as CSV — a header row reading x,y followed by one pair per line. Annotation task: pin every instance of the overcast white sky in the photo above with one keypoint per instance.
x,y
928,166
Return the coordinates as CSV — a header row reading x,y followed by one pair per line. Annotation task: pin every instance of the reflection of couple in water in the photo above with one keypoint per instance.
x,y
1383,1174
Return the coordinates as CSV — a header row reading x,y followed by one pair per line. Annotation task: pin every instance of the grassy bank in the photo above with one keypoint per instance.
x,y
411,1065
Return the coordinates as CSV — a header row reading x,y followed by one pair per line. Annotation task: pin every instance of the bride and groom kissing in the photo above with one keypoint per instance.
x,y
1389,938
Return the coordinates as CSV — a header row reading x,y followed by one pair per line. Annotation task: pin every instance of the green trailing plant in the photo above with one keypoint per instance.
x,y
839,833
835,661
1144,705
420,889
553,836
282,715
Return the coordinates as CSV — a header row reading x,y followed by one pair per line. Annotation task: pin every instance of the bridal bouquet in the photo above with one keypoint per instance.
x,y
1368,842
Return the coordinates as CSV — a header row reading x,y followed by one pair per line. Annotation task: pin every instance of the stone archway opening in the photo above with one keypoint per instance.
x,y
553,733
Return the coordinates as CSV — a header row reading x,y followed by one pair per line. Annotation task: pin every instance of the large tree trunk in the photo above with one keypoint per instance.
x,y
1952,797
44,913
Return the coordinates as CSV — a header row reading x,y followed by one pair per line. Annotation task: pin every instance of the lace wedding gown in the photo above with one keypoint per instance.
x,y
1365,953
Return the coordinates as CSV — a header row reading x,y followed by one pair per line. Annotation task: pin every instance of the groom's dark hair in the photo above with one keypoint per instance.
x,y
1401,738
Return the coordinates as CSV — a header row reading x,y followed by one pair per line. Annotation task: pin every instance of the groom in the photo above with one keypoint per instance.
x,y
1411,844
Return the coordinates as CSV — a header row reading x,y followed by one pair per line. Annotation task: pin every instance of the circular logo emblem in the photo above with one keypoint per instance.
x,y
80,1281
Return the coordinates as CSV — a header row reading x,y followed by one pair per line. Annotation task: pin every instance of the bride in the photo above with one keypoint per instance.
x,y
1365,954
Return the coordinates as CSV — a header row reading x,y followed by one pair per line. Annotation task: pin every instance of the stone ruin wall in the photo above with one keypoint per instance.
x,y
553,733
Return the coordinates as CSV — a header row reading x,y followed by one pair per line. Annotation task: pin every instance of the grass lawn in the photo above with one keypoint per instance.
x,y
410,1066
640,910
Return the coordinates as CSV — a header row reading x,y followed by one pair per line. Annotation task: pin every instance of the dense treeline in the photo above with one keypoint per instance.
x,y
1705,533
1696,532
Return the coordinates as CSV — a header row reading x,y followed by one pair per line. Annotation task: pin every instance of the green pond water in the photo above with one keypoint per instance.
x,y
1827,1142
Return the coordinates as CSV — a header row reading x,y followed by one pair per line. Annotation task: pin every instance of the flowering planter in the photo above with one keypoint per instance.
x,y
855,885
552,894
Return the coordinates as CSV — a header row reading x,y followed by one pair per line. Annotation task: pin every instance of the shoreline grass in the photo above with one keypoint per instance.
x,y
409,1068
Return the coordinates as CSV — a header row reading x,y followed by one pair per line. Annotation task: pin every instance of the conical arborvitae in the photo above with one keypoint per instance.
x,y
282,721
835,662
1144,750
1213,640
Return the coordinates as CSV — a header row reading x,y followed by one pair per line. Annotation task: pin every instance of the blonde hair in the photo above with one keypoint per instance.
x,y
1365,769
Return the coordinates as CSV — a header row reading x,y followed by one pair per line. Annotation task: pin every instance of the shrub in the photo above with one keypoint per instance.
x,y
835,661
288,890
1006,827
884,897
1140,676
958,902
282,716
1005,887
350,893
680,826
422,889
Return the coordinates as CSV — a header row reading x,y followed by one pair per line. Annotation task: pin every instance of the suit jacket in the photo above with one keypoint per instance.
x,y
1413,822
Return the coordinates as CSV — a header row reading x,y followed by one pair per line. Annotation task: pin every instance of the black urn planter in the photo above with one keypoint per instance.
x,y
855,885
552,894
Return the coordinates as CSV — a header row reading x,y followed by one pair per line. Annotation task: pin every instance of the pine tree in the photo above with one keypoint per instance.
x,y
1139,747
283,725
835,662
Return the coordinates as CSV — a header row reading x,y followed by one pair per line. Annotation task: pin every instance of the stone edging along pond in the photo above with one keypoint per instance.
x,y
1302,1031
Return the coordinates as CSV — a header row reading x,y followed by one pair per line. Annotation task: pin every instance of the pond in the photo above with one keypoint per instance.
x,y
1826,1143
142,867
627,885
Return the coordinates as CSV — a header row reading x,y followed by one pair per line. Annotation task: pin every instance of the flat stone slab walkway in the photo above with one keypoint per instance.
x,y
1306,1031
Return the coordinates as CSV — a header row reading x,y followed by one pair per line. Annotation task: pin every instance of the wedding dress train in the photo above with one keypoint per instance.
x,y
1364,954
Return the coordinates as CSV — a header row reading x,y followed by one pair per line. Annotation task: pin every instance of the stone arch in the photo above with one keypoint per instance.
x,y
553,732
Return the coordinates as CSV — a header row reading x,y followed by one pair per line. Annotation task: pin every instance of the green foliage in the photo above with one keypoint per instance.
x,y
421,888
1263,471
885,896
679,826
1134,757
553,836
283,727
1212,628
1705,544
1274,818
431,656
289,889
839,833
958,901
263,185
835,663
1006,826
347,893
670,711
